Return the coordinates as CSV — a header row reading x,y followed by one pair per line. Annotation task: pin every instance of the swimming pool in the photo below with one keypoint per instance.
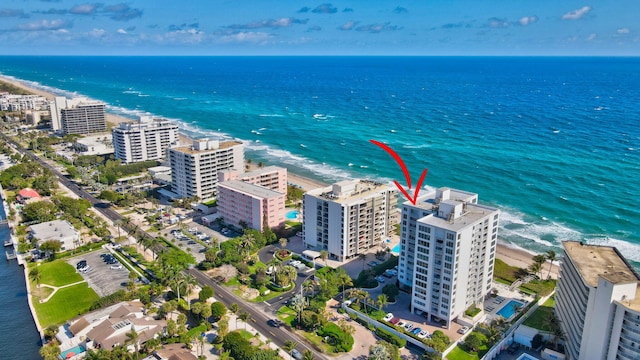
x,y
508,310
292,215
78,349
396,249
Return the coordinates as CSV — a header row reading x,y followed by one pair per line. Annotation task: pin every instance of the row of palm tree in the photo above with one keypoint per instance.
x,y
538,261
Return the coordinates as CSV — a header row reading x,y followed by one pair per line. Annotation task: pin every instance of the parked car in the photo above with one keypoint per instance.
x,y
116,266
423,334
401,324
394,321
388,317
463,330
372,263
416,331
296,354
408,326
380,279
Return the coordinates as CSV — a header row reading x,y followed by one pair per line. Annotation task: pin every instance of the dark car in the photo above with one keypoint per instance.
x,y
274,322
81,265
513,348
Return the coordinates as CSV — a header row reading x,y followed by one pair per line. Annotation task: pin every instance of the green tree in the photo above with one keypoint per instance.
x,y
473,342
51,247
39,212
51,351
283,243
289,346
245,317
324,255
218,310
133,338
205,293
382,301
307,355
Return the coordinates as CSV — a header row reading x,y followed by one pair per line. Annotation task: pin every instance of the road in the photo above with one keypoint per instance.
x,y
259,318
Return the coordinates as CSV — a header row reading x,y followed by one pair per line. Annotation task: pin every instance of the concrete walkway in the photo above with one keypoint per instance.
x,y
56,288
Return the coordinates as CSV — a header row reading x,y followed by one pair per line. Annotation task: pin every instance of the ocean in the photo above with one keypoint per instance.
x,y
554,142
19,337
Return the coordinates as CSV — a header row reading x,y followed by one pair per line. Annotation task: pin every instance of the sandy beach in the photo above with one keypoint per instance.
x,y
510,255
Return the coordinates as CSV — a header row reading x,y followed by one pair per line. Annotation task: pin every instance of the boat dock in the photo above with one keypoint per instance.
x,y
10,256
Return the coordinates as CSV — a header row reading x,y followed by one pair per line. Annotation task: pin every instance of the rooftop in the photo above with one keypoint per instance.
x,y
191,150
593,261
350,190
245,187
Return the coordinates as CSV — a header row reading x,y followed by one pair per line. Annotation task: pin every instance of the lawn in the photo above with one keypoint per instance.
x,y
538,318
66,304
58,273
459,354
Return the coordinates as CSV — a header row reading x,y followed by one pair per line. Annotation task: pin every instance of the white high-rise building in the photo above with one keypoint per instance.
x,y
447,251
77,115
194,169
349,217
598,303
147,139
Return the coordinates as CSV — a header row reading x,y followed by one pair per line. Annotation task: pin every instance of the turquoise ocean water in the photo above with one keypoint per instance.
x,y
553,142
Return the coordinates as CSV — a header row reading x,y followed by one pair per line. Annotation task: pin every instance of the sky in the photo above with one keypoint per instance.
x,y
283,27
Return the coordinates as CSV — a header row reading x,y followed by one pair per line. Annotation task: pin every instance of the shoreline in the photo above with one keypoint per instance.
x,y
509,253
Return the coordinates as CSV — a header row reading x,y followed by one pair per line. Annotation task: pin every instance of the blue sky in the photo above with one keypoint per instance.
x,y
282,27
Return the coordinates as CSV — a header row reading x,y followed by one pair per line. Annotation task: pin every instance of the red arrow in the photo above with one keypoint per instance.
x,y
406,173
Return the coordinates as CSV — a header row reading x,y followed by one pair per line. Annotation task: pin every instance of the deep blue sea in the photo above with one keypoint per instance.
x,y
553,142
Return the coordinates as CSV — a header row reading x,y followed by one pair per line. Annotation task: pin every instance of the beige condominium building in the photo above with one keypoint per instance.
x,y
78,116
194,168
349,217
598,303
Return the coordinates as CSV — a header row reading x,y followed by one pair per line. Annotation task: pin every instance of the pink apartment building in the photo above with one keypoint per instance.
x,y
271,177
240,201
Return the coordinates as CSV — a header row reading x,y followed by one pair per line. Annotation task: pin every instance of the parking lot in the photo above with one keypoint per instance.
x,y
101,278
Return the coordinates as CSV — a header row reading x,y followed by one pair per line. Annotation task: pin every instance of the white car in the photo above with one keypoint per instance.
x,y
401,323
408,326
295,263
388,317
423,334
463,330
116,266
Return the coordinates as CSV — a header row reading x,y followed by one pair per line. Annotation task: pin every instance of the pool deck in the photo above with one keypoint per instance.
x,y
492,305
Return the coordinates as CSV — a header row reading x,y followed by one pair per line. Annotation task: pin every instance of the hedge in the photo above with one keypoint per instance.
x,y
391,338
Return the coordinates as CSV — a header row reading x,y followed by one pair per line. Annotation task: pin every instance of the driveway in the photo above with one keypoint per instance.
x,y
101,278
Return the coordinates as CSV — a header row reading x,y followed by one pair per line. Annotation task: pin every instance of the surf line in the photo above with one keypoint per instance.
x,y
407,177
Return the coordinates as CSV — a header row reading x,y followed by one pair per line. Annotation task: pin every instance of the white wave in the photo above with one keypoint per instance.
x,y
423,146
536,232
628,249
131,92
271,115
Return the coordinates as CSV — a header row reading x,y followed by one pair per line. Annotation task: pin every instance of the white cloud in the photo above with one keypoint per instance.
x,y
96,33
576,14
122,31
528,20
591,37
623,31
246,36
43,25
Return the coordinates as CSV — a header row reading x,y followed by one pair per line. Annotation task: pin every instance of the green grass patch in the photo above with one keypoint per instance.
x,y
505,272
459,354
542,288
66,304
196,331
317,341
287,315
58,273
537,319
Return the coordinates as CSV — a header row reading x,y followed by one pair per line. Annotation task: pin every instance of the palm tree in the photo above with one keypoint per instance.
x,y
190,282
307,355
535,268
307,286
35,275
344,279
132,338
382,301
363,257
234,309
324,255
289,346
244,316
283,242
551,257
